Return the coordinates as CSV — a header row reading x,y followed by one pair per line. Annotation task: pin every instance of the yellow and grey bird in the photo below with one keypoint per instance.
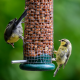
x,y
14,30
63,54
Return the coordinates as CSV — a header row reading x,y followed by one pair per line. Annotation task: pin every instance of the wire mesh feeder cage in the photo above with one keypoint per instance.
x,y
38,36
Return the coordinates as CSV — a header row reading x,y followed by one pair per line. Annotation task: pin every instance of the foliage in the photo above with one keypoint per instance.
x,y
66,25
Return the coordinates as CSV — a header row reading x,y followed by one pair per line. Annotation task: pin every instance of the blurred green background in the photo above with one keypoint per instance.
x,y
66,25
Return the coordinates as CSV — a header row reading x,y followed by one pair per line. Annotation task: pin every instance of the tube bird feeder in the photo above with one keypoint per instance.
x,y
38,36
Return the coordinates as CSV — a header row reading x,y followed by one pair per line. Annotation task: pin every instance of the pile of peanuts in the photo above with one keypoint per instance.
x,y
38,33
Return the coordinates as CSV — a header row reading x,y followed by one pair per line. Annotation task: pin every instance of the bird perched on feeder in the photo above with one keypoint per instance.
x,y
13,31
63,54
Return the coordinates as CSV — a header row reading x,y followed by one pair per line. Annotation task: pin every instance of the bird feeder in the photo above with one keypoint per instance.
x,y
38,36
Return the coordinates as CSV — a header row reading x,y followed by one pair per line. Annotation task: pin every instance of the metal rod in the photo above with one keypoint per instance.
x,y
53,59
18,61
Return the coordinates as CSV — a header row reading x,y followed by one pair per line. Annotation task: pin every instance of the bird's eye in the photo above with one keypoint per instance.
x,y
62,40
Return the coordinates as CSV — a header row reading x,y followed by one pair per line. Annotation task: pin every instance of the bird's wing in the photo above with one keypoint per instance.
x,y
8,30
61,51
67,55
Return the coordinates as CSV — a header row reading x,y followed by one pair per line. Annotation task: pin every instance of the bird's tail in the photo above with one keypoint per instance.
x,y
57,70
22,16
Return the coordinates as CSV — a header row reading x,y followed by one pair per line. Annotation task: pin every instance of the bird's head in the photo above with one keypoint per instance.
x,y
64,42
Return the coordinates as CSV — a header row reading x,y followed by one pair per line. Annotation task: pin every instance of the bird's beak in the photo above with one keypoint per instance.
x,y
60,40
12,44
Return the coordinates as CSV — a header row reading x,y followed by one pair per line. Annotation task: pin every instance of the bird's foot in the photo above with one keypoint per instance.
x,y
55,52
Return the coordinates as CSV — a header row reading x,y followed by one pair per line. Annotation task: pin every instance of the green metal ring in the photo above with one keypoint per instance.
x,y
37,67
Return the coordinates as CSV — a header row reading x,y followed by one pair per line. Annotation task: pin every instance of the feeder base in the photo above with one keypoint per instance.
x,y
37,67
